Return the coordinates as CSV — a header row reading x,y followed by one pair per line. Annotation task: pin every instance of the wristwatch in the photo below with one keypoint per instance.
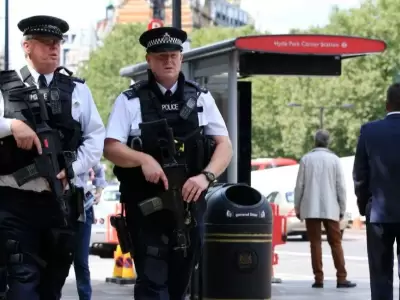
x,y
209,176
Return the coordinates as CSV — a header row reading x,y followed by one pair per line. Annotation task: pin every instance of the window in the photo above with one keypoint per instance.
x,y
271,197
111,196
290,197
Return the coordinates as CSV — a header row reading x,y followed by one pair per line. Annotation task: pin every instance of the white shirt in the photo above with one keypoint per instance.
x,y
393,113
89,153
126,116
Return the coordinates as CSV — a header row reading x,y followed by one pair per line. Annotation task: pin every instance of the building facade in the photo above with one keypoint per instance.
x,y
76,47
229,14
194,13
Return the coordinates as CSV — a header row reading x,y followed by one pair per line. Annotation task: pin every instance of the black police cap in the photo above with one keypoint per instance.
x,y
163,39
43,25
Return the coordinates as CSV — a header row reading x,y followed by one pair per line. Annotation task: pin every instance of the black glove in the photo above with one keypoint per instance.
x,y
362,207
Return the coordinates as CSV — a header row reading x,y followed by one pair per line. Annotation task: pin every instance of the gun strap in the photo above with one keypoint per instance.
x,y
26,174
27,76
32,171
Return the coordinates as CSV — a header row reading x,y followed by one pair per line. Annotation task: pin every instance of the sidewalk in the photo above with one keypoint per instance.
x,y
288,290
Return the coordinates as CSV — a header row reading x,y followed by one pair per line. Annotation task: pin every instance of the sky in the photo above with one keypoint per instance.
x,y
278,16
78,13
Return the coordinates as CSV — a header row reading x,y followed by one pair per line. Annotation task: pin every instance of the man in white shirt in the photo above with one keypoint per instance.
x,y
43,112
149,163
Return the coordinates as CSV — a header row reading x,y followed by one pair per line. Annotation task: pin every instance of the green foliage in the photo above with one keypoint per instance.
x,y
279,130
121,48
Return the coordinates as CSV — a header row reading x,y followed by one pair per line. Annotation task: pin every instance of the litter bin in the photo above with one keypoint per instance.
x,y
237,253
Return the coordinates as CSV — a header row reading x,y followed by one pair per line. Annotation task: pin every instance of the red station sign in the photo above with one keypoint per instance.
x,y
310,44
155,23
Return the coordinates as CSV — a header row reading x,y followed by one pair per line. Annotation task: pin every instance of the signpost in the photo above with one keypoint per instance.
x,y
311,44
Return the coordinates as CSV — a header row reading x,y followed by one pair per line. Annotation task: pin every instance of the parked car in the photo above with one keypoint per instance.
x,y
285,201
268,163
99,244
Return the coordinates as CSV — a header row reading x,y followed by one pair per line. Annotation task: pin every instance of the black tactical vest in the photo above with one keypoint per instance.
x,y
20,104
154,107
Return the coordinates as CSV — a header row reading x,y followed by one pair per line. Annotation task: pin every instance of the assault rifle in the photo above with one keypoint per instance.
x,y
47,165
176,174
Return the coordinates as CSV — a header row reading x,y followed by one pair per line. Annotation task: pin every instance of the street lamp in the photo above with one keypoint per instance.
x,y
110,10
322,110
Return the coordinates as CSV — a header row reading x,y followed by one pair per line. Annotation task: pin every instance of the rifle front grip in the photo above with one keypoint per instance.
x,y
151,205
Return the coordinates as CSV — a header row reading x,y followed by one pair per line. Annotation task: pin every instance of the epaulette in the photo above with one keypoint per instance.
x,y
134,88
196,85
77,79
69,77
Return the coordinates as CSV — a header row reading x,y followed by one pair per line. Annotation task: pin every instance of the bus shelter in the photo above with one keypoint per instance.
x,y
221,65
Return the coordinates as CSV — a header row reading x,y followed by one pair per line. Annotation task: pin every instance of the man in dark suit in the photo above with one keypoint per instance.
x,y
377,187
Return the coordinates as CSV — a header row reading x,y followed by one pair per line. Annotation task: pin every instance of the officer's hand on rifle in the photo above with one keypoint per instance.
x,y
63,177
153,172
25,137
193,188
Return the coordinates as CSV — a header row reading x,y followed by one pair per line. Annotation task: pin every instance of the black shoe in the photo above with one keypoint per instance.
x,y
317,285
346,284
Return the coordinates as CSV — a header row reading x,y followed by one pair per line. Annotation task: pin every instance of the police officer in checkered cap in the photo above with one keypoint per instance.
x,y
203,147
41,106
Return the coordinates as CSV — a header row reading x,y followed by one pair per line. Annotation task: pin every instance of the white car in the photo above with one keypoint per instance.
x,y
285,200
99,244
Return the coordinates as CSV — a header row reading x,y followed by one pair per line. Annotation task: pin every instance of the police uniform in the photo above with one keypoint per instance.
x,y
38,245
163,271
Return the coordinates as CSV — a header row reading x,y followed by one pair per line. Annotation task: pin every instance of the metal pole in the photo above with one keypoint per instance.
x,y
177,14
232,117
321,117
158,9
6,37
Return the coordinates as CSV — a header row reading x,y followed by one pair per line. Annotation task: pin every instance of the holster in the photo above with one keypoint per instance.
x,y
76,203
124,236
63,243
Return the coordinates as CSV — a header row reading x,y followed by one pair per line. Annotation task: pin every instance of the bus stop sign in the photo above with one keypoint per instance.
x,y
155,23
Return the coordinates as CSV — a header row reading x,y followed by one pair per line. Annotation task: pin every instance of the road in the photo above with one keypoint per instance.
x,y
294,269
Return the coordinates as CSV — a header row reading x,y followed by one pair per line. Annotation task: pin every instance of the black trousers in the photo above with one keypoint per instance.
x,y
162,272
39,254
380,240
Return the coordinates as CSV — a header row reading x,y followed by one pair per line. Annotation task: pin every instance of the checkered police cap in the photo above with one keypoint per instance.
x,y
43,25
163,39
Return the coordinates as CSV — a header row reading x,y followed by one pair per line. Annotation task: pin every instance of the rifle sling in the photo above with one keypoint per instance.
x,y
34,170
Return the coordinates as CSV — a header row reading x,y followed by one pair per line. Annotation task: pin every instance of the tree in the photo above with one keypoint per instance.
x,y
120,48
363,82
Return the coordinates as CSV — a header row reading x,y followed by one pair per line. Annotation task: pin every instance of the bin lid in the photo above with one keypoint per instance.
x,y
237,204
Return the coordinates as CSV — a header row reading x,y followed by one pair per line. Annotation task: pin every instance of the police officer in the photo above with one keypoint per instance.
x,y
37,241
163,270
